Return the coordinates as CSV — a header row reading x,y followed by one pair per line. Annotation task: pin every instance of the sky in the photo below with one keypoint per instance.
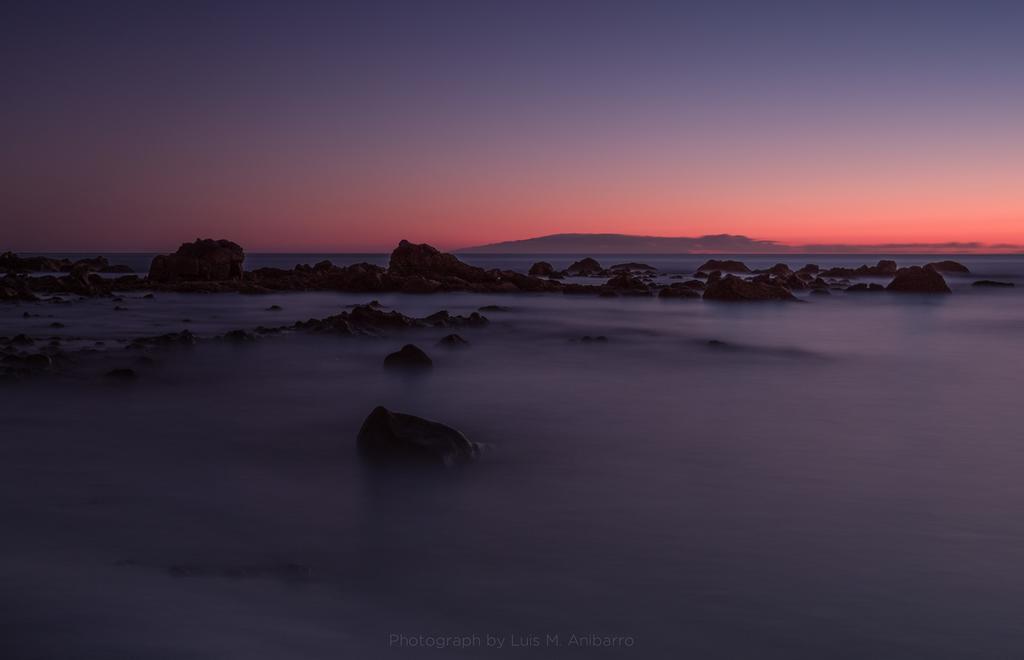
x,y
348,126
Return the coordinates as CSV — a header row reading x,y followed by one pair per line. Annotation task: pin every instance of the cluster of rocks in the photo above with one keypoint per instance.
x,y
371,319
13,264
207,265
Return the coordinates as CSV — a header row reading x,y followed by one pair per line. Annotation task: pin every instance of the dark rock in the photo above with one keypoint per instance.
x,y
633,265
586,267
916,279
599,339
735,289
820,292
148,296
12,263
542,269
409,357
992,283
948,266
274,308
119,268
679,290
865,288
494,308
429,263
56,324
453,341
727,265
239,337
625,282
204,260
183,338
392,437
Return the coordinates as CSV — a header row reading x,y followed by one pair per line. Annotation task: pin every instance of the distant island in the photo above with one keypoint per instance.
x,y
711,244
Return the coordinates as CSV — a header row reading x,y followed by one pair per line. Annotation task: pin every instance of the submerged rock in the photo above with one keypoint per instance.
x,y
915,279
992,283
735,289
453,341
409,356
393,437
680,290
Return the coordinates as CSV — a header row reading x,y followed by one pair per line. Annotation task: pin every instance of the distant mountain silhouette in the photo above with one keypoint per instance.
x,y
715,244
626,244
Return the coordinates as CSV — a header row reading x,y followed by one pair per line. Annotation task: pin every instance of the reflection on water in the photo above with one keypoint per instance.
x,y
839,478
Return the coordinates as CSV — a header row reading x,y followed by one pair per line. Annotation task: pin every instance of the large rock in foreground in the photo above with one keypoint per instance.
x,y
204,260
735,289
398,438
915,279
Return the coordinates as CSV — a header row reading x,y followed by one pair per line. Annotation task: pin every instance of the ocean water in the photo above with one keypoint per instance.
x,y
842,478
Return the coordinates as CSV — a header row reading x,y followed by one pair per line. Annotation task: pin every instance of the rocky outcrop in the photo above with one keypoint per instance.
x,y
409,356
634,265
204,260
865,288
453,341
586,267
948,266
422,260
624,282
16,289
735,289
372,320
679,290
388,437
542,269
726,266
918,279
884,268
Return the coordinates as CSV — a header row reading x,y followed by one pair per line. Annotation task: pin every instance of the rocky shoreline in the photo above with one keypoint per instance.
x,y
216,266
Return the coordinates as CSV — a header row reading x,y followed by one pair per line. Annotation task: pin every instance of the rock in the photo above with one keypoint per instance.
x,y
56,324
633,265
274,308
599,339
863,288
148,296
393,437
204,260
239,337
542,269
586,267
625,282
429,263
734,289
727,265
948,266
494,308
992,283
121,375
119,268
820,292
12,263
884,268
453,341
409,357
183,338
916,279
679,290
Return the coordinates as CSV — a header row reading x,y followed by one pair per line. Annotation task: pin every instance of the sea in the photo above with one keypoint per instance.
x,y
842,478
